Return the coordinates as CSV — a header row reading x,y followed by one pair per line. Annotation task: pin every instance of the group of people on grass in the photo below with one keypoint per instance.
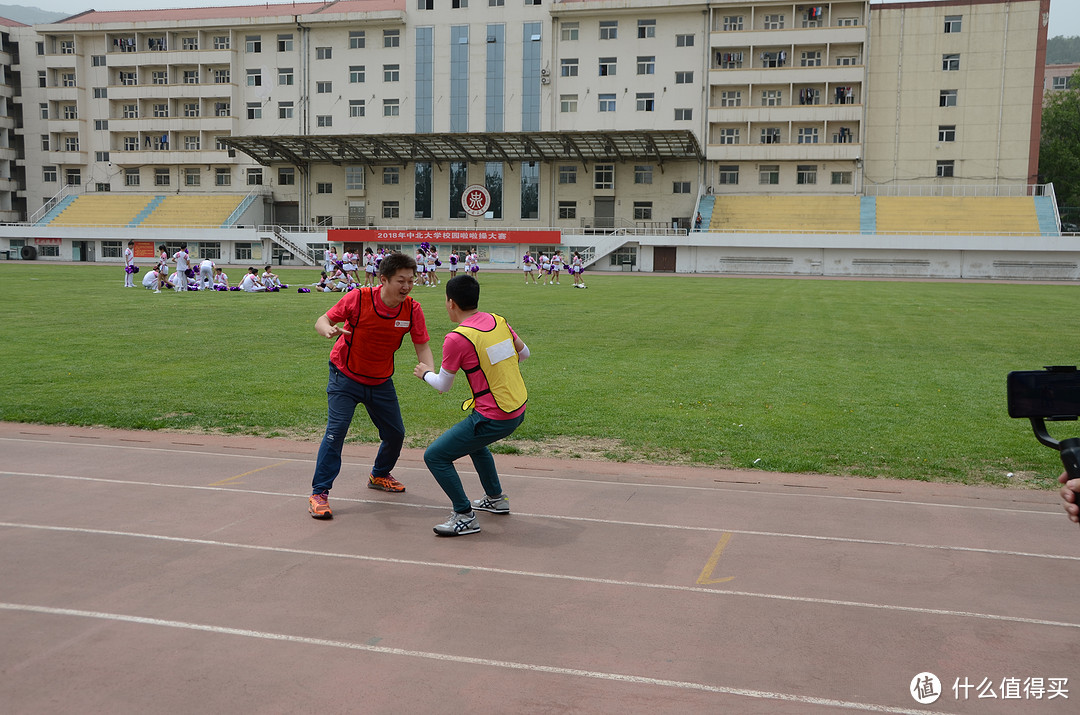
x,y
550,267
186,275
368,325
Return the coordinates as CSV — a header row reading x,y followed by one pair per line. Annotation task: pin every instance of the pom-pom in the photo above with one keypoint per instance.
x,y
303,290
234,288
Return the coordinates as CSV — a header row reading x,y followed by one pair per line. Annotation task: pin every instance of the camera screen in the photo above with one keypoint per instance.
x,y
1044,393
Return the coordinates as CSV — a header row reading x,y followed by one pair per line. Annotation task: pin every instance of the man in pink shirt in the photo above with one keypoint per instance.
x,y
488,350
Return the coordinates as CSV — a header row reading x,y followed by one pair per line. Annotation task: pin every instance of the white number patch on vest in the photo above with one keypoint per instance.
x,y
401,323
501,351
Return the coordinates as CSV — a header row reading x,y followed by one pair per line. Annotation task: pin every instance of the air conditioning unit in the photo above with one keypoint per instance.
x,y
544,72
545,80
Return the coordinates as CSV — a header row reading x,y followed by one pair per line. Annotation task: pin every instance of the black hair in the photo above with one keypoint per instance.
x,y
395,262
465,291
269,267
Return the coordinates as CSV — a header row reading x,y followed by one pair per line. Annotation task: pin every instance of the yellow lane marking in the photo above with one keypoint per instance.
x,y
706,573
232,480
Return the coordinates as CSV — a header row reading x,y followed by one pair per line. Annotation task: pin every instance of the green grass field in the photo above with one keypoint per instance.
x,y
891,379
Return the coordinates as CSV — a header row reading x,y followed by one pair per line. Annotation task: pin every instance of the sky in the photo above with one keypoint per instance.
x,y
1064,14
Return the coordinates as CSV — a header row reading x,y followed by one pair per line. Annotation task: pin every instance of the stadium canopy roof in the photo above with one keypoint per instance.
x,y
391,149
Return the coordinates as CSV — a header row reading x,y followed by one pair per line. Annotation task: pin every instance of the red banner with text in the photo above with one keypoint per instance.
x,y
419,235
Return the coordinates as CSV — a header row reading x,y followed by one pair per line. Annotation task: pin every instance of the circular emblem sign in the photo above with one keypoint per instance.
x,y
475,200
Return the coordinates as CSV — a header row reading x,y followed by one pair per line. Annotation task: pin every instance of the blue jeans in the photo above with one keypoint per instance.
x,y
471,436
342,395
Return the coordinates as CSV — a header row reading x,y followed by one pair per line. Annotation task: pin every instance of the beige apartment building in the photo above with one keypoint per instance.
x,y
577,113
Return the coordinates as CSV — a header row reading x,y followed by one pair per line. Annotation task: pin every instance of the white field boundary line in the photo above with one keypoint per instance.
x,y
561,517
538,477
554,576
459,659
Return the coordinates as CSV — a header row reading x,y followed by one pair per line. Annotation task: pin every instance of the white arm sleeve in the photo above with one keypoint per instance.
x,y
441,381
524,354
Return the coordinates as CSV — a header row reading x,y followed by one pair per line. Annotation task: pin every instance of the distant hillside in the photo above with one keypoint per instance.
x,y
31,15
1062,50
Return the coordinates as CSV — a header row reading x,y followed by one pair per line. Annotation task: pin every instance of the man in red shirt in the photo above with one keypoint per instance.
x,y
374,321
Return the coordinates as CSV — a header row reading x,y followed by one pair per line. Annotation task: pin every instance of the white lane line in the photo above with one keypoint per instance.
x,y
535,477
561,517
555,576
448,658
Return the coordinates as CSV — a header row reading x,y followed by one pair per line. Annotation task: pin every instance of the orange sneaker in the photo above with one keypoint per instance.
x,y
387,483
319,506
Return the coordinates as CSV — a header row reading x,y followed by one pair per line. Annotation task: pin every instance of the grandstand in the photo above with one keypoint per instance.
x,y
211,211
143,210
791,214
98,210
984,215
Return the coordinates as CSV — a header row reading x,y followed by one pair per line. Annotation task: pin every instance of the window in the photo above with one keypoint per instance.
x,y
357,40
357,107
646,28
67,79
129,78
848,61
356,74
130,111
733,23
567,209
285,110
391,38
774,22
456,4
606,102
242,251
806,174
950,63
567,174
568,32
841,178
354,178
948,98
680,187
49,251
254,78
731,98
324,187
254,177
729,135
727,175
220,145
159,77
189,43
568,103
952,23
643,174
48,174
161,177
769,174
324,53
568,67
284,43
131,177
286,176
770,135
772,98
131,143
222,109
221,42
811,59
609,29
391,73
808,135
112,249
191,110
71,143
1060,83
101,156
221,76
391,176
97,60
684,40
391,209
67,47
44,109
191,142
253,43
946,133
848,22
809,96
254,110
945,168
324,120
210,249
192,177
324,87
684,78
646,64
101,93
604,176
70,111
646,101
607,66
191,76
643,210
391,107
45,142
285,76
160,111
684,114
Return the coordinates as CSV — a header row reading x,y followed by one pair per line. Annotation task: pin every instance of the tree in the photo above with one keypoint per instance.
x,y
1059,148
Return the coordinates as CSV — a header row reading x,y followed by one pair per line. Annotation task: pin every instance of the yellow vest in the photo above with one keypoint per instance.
x,y
499,363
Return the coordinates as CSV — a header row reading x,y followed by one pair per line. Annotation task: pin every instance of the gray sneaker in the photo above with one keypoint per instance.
x,y
496,505
458,524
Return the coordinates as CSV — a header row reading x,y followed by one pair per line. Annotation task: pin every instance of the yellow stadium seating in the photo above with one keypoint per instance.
x,y
948,214
793,214
192,211
102,210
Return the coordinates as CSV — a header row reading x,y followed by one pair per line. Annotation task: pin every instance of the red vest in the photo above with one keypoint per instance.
x,y
367,354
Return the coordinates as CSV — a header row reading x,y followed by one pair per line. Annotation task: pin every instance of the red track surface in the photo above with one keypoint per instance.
x,y
151,572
